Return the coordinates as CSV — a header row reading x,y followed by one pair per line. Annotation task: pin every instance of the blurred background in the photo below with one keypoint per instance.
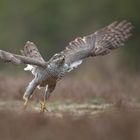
x,y
52,24
113,79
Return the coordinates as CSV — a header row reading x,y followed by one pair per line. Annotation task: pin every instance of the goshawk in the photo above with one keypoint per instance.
x,y
47,73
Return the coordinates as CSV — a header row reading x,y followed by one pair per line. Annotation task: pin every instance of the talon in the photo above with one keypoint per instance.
x,y
43,107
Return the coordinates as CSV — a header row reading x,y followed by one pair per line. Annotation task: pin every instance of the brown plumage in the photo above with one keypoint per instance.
x,y
48,73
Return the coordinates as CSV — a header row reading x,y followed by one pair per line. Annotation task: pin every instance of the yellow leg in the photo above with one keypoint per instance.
x,y
25,103
43,107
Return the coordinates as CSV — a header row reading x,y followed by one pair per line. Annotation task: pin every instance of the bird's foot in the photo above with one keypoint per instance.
x,y
43,106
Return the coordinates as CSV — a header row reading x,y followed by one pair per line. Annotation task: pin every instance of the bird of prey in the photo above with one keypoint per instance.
x,y
47,73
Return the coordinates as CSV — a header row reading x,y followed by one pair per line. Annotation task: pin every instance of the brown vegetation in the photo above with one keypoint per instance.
x,y
111,125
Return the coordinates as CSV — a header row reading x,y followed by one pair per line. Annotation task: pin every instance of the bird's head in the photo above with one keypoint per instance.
x,y
58,59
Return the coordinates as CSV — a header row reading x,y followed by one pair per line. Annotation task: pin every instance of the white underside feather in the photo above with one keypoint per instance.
x,y
29,67
75,65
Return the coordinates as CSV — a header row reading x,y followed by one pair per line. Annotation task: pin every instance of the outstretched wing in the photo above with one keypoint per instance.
x,y
30,50
20,59
99,43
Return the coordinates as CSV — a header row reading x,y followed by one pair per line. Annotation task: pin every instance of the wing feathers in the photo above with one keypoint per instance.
x,y
112,36
19,59
30,50
8,57
99,43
